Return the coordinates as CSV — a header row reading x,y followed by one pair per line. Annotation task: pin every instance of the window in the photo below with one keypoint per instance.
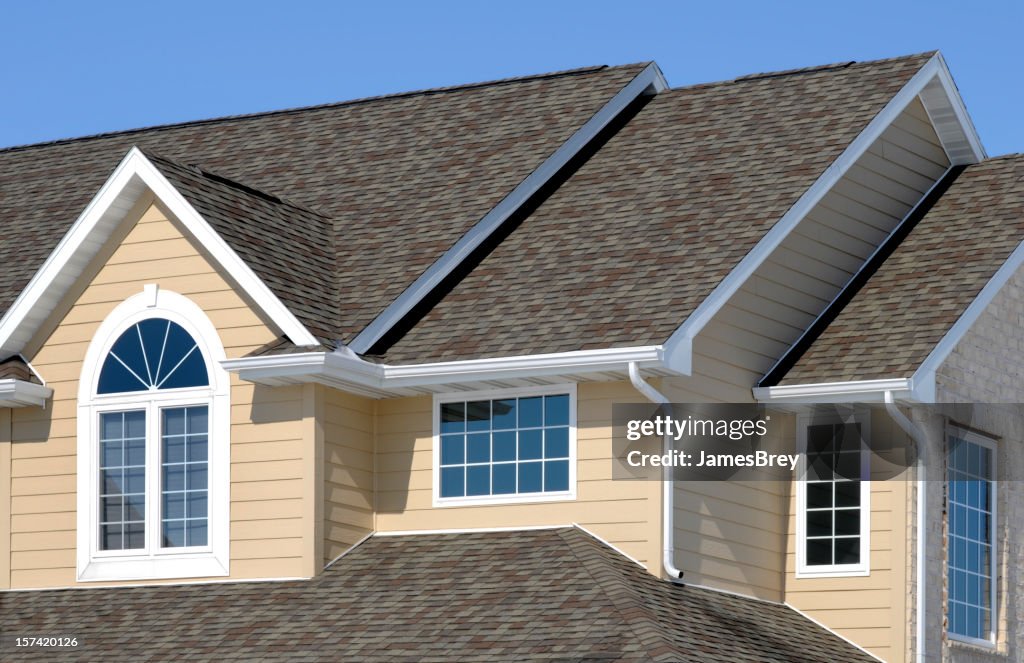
x,y
153,444
505,446
833,498
971,566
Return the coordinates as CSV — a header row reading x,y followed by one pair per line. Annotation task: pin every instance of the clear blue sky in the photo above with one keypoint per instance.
x,y
75,68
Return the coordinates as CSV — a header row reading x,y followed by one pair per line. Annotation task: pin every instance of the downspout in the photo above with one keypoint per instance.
x,y
916,434
668,486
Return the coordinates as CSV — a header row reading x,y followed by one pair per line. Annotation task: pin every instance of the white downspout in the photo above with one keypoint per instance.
x,y
668,487
917,435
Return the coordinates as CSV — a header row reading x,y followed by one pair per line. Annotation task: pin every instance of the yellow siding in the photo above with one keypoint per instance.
x,y
5,498
627,513
870,610
270,428
348,470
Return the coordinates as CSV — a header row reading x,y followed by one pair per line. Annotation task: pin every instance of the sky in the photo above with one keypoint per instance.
x,y
75,68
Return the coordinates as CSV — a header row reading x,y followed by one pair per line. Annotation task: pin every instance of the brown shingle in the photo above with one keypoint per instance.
x,y
553,594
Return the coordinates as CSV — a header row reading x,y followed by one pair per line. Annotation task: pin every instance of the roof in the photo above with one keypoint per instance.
x,y
554,594
625,249
916,295
402,177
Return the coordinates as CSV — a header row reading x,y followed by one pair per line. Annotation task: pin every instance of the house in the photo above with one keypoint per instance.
x,y
337,382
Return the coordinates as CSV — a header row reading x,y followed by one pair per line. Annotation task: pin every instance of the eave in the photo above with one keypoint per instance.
x,y
345,370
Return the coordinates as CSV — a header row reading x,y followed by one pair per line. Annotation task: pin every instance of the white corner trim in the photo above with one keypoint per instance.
x,y
648,81
20,393
93,227
678,347
925,374
859,391
342,367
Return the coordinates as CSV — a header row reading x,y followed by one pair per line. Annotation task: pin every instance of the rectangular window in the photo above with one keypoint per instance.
x,y
833,499
122,480
970,524
504,447
184,482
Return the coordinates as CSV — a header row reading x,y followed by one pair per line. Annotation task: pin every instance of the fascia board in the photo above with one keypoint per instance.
x,y
859,391
129,180
679,346
19,393
648,81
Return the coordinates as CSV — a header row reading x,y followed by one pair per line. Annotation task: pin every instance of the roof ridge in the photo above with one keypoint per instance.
x,y
579,71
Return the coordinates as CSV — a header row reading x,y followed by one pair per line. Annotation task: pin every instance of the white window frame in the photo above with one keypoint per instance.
x,y
154,562
863,568
993,447
497,394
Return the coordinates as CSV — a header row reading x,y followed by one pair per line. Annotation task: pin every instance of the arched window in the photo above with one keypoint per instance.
x,y
153,407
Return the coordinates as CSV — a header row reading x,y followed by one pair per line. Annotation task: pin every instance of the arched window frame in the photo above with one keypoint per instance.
x,y
154,561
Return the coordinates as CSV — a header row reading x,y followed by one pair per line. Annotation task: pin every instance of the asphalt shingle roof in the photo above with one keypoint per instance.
x,y
554,594
638,237
402,177
902,312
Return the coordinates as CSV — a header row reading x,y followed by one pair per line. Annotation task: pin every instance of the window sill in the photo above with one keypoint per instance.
x,y
833,572
492,500
972,644
194,565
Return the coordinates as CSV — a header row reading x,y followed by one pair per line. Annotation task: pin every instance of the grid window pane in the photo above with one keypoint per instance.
x,y
122,499
184,476
832,495
970,491
505,446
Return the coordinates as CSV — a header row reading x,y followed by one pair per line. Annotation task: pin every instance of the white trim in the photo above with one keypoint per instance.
x,y
925,374
21,393
132,177
679,346
648,81
153,562
993,532
831,630
858,391
519,498
862,568
348,550
469,530
344,369
210,581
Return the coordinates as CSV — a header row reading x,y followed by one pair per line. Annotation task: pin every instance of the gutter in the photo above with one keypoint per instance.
x,y
668,485
19,393
916,434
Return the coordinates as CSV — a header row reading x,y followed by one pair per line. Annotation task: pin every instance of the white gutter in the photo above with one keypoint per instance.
x,y
861,391
19,393
916,434
344,368
668,487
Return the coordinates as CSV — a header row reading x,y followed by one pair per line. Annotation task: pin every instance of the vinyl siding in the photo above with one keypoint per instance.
x,y
349,423
624,512
269,490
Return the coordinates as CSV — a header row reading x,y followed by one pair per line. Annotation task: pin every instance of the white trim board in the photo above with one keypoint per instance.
x,y
679,346
20,393
647,82
130,180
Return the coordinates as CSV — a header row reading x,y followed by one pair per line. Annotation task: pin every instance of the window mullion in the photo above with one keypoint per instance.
x,y
153,461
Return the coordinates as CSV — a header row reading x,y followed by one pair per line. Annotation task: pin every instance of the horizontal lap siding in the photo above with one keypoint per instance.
x,y
624,512
266,482
348,471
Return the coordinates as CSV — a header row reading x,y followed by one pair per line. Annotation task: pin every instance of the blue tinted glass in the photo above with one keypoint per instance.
x,y
531,412
453,417
110,453
504,479
556,475
189,373
504,446
195,476
504,417
174,533
556,410
174,505
154,353
478,416
478,480
453,449
556,443
195,533
478,448
174,477
115,378
530,477
531,444
196,505
453,481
